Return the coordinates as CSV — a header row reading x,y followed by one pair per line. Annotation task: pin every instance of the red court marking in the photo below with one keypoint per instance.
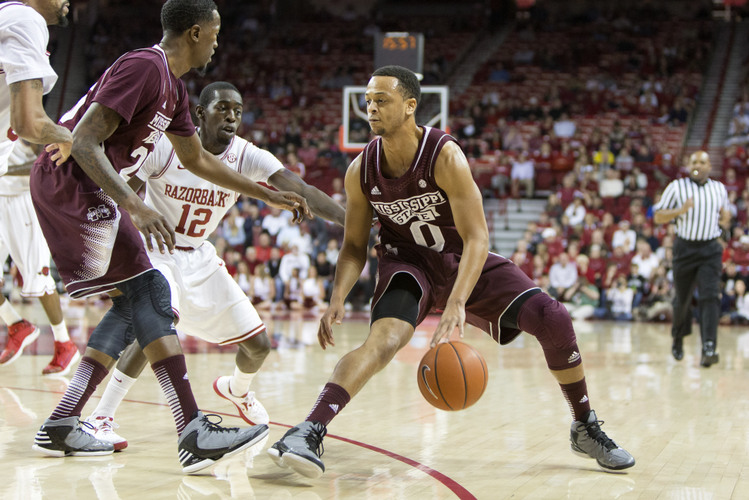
x,y
451,484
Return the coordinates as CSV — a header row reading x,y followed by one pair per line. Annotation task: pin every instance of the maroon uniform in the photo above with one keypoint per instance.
x,y
418,237
93,243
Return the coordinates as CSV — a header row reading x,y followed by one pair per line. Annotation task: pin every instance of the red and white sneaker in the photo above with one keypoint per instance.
x,y
249,408
20,334
102,428
66,355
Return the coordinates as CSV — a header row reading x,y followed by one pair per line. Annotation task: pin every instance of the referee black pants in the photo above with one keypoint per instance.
x,y
697,264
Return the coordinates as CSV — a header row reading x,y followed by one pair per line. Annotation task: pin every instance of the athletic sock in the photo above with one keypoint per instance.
x,y
9,314
86,378
331,401
60,332
576,395
239,383
114,393
172,375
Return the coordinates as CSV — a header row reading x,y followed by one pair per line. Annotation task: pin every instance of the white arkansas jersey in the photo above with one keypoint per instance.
x,y
190,204
13,185
23,56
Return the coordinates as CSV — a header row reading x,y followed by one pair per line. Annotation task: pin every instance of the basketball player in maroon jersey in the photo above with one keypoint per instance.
x,y
433,255
91,219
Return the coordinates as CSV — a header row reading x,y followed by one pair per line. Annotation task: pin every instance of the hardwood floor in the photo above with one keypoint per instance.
x,y
687,426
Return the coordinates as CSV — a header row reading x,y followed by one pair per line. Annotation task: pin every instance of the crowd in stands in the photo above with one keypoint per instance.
x,y
580,92
281,265
604,258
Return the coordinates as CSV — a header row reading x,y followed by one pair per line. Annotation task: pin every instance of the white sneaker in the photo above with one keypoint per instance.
x,y
103,430
249,408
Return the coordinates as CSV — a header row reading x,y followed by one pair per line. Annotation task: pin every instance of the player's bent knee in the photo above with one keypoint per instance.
x,y
114,332
150,298
257,347
150,290
387,337
549,321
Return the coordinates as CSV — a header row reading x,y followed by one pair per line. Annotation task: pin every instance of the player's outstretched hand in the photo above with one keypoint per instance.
x,y
286,200
153,225
334,314
453,315
59,151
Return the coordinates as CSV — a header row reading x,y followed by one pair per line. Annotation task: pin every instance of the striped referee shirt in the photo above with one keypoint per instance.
x,y
700,223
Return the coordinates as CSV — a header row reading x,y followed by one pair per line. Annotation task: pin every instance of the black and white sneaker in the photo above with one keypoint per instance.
x,y
203,442
589,441
65,438
301,448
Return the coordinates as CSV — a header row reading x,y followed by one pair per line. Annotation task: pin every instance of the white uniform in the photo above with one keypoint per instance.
x,y
208,302
20,233
23,56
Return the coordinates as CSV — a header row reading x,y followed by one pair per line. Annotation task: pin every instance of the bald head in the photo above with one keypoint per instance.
x,y
699,166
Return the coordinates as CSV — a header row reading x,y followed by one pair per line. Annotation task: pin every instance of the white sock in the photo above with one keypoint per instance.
x,y
113,395
9,314
60,332
239,384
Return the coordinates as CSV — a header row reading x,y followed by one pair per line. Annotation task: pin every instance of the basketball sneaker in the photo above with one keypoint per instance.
x,y
65,438
66,355
20,334
203,442
301,448
102,428
589,441
249,408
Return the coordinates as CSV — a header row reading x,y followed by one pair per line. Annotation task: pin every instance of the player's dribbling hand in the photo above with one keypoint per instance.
x,y
59,151
153,225
453,315
334,314
286,200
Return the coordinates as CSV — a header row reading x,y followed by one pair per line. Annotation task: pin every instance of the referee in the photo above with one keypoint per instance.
x,y
699,205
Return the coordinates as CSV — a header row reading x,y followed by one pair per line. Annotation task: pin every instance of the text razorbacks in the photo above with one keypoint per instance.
x,y
199,196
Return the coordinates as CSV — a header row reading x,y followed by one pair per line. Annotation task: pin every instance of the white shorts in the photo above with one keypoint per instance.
x,y
206,299
22,238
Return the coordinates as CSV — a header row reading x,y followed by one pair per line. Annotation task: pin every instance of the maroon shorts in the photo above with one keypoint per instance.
x,y
93,243
500,283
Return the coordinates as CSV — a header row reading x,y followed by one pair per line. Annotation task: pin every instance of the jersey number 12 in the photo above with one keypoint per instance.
x,y
201,216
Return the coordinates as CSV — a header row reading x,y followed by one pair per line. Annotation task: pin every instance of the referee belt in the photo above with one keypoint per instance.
x,y
695,243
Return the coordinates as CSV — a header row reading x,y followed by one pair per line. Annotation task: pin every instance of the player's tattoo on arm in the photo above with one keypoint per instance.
x,y
26,95
97,126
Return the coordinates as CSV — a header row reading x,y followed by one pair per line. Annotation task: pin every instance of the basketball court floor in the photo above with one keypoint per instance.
x,y
688,427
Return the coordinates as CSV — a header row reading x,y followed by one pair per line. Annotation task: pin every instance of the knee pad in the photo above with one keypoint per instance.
x,y
115,331
548,321
256,347
151,301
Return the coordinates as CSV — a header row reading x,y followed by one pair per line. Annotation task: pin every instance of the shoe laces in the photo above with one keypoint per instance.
x,y
107,424
314,438
85,423
593,429
214,426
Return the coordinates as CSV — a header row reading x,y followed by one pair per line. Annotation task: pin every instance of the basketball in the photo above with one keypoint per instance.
x,y
452,376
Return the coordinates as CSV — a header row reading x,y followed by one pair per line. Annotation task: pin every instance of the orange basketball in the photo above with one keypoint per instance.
x,y
452,376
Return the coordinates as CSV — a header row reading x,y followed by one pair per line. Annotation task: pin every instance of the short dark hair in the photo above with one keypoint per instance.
x,y
179,15
209,91
408,82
